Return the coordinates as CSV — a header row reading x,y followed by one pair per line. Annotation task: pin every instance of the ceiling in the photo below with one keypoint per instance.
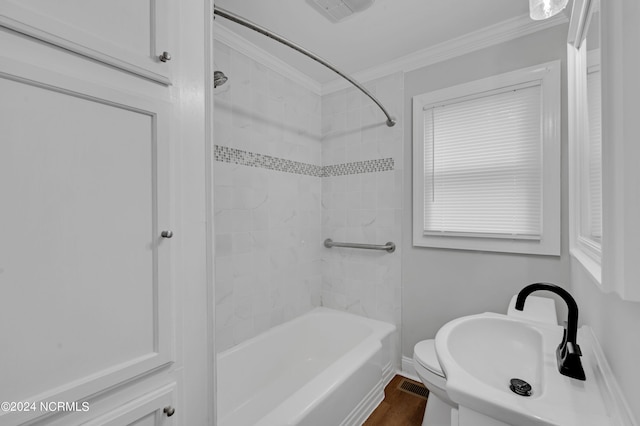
x,y
388,30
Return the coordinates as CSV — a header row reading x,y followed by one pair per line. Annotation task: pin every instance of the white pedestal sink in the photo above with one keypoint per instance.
x,y
480,354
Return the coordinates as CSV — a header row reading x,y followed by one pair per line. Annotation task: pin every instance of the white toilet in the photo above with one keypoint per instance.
x,y
425,361
439,405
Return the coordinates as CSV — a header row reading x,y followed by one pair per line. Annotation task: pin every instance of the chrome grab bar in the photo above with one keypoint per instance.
x,y
390,247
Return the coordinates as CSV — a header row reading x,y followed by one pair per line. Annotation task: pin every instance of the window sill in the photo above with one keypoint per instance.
x,y
544,247
589,264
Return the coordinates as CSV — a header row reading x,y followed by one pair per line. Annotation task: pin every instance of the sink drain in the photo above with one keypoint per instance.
x,y
520,387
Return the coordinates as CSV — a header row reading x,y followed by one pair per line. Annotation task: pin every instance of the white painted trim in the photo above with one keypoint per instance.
x,y
476,40
593,267
620,150
408,369
244,46
587,252
578,23
387,374
371,401
366,407
212,359
547,75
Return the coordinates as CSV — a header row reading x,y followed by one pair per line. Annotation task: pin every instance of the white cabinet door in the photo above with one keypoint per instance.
x,y
127,34
84,272
153,409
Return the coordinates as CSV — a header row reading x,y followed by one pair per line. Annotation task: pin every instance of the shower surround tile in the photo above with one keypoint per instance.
x,y
267,191
293,168
363,208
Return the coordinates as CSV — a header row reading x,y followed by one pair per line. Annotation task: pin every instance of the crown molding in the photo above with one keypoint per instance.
x,y
242,45
476,40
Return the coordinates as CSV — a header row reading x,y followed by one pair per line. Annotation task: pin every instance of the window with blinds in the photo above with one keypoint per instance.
x,y
592,212
486,164
482,165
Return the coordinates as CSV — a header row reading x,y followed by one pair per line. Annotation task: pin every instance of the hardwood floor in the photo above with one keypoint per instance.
x,y
399,408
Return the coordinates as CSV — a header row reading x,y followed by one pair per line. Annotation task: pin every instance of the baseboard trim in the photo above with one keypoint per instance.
x,y
387,374
407,369
367,406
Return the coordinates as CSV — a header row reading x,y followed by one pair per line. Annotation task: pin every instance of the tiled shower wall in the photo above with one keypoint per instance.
x,y
363,207
292,169
266,200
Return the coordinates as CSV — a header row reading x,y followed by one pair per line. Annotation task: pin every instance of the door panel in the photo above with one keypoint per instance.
x,y
147,410
124,33
84,273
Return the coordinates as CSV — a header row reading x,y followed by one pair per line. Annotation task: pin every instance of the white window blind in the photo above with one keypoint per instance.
x,y
594,191
482,165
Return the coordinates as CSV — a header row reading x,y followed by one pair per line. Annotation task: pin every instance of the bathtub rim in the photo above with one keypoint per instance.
x,y
381,329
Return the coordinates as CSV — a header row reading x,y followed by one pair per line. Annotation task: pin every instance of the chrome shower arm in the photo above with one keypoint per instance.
x,y
244,22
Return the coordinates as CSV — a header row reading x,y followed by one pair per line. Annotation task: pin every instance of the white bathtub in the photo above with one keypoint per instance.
x,y
324,368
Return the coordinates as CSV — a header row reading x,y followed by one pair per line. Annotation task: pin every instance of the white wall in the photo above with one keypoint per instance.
x,y
615,324
267,221
439,285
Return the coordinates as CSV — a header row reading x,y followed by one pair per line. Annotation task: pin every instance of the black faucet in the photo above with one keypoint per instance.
x,y
568,353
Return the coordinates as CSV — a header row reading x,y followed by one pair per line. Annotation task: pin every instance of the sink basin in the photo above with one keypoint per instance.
x,y
494,351
480,354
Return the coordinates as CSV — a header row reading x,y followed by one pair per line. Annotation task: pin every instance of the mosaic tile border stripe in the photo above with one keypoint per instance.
x,y
237,156
368,166
252,159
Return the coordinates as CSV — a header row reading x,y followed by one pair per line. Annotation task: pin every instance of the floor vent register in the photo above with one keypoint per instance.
x,y
413,388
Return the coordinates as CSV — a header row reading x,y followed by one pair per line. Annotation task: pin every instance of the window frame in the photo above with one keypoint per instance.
x,y
583,248
547,75
584,245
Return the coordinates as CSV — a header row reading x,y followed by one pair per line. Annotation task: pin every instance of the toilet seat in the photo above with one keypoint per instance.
x,y
425,355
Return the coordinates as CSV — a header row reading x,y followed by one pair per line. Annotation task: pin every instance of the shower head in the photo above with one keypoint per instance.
x,y
219,78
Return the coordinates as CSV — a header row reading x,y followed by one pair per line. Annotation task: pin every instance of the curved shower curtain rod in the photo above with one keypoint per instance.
x,y
239,20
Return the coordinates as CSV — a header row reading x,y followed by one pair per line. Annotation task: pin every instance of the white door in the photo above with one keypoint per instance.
x,y
94,228
85,282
